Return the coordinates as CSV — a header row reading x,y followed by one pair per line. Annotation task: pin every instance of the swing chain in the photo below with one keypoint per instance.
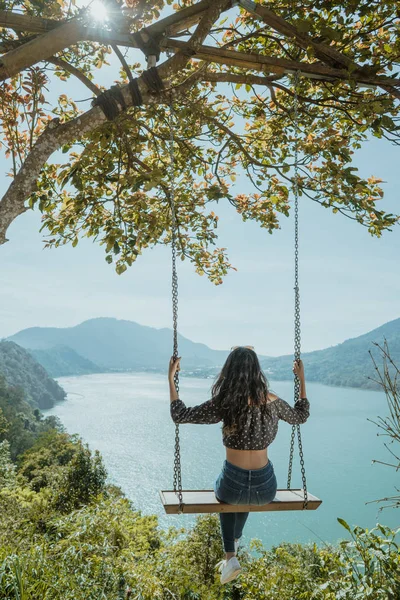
x,y
297,329
297,336
177,455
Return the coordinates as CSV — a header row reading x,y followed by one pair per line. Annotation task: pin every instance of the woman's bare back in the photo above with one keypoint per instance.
x,y
249,459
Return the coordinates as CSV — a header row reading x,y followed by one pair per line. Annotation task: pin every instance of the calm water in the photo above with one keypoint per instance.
x,y
126,417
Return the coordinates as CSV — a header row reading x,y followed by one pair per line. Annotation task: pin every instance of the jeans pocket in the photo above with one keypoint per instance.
x,y
265,496
228,496
271,481
227,493
267,493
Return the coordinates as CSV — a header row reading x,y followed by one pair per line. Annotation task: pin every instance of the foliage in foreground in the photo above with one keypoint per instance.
x,y
20,423
64,533
40,390
387,377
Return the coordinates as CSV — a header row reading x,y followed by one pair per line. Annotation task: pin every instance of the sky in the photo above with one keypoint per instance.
x,y
349,281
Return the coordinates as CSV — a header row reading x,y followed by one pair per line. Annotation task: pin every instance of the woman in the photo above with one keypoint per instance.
x,y
250,416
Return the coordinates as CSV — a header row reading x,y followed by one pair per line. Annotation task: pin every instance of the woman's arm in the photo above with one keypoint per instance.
x,y
295,415
174,367
202,414
205,413
298,369
300,412
173,394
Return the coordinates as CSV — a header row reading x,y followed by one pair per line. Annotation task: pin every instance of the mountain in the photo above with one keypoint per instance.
x,y
348,364
62,361
20,369
112,344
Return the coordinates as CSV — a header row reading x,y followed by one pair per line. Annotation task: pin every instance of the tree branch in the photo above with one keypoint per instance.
x,y
185,18
63,64
261,62
249,78
56,134
123,62
173,24
327,54
40,48
238,142
19,22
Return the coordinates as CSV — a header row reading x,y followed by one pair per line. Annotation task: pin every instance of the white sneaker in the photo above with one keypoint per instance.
x,y
229,569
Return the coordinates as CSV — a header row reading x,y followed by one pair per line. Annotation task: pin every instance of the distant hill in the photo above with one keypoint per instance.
x,y
348,364
20,369
110,344
62,361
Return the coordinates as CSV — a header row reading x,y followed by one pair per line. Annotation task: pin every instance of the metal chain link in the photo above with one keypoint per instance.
x,y
297,329
177,455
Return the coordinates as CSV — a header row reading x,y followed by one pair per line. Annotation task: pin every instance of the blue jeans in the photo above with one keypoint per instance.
x,y
242,486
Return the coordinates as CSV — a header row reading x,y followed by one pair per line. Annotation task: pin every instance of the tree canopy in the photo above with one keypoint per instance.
x,y
226,75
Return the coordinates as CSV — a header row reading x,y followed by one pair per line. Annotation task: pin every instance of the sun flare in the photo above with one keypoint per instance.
x,y
98,10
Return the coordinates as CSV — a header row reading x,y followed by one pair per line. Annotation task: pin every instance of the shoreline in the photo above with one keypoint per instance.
x,y
194,375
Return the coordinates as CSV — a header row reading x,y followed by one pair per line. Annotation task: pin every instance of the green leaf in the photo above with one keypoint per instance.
x,y
387,122
110,245
303,26
120,268
344,524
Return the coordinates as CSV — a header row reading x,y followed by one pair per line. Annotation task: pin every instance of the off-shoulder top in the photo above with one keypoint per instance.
x,y
261,425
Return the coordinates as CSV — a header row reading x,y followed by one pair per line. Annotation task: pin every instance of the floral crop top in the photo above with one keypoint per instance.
x,y
261,426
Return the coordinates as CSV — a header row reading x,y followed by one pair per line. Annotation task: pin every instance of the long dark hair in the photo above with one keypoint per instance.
x,y
241,381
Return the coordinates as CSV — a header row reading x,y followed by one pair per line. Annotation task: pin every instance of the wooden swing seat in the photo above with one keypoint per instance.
x,y
204,501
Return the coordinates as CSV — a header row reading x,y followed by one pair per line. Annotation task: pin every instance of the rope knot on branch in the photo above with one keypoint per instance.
x,y
112,101
147,43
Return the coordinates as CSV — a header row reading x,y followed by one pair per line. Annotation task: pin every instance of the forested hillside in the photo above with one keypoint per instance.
x,y
62,361
20,369
119,345
109,344
66,533
347,364
20,423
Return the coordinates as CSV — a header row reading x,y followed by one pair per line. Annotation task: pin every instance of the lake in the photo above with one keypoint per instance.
x,y
126,417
